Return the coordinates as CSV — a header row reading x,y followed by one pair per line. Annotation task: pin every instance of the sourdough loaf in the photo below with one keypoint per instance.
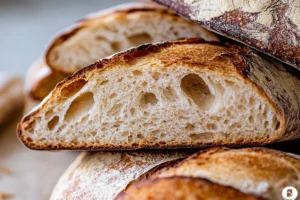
x,y
187,93
272,27
181,188
107,32
11,96
117,29
257,171
102,175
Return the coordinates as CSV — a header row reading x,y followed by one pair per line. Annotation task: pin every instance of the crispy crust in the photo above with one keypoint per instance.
x,y
103,175
249,169
41,80
235,62
95,18
174,188
257,26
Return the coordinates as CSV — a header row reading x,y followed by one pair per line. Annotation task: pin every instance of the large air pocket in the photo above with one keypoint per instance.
x,y
197,91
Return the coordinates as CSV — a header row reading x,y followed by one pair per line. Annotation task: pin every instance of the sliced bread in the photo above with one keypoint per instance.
x,y
117,29
107,32
187,93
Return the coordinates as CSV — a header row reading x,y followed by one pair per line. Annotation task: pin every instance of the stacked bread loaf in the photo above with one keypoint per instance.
x,y
146,87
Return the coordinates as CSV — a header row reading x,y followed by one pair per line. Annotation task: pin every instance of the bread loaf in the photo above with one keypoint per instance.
x,y
187,93
181,188
272,27
107,32
11,96
102,175
217,173
117,29
257,171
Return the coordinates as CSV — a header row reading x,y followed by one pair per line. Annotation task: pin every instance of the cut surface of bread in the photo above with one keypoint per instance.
x,y
258,171
11,96
103,34
102,175
181,188
186,93
117,29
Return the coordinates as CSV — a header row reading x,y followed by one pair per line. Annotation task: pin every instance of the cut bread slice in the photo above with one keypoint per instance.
x,y
181,188
103,175
116,29
11,96
185,93
258,171
105,33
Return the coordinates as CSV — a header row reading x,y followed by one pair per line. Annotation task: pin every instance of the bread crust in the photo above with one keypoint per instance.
x,y
178,188
121,10
102,175
40,80
251,22
235,61
258,171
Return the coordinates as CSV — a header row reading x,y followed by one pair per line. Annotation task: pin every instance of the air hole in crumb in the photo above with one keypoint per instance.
x,y
156,75
170,94
277,125
53,122
229,83
104,82
125,134
132,111
72,88
189,126
141,38
49,114
144,84
211,126
81,105
201,136
140,136
116,46
137,73
115,110
250,119
148,99
197,90
266,124
113,95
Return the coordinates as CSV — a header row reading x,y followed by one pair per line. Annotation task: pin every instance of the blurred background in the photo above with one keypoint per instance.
x,y
27,26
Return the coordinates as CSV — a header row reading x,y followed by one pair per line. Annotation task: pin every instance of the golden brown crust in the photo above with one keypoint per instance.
x,y
181,188
229,59
253,23
259,171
